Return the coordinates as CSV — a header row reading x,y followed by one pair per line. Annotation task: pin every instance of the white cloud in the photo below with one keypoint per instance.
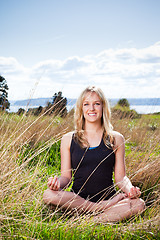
x,y
74,63
17,76
125,72
10,66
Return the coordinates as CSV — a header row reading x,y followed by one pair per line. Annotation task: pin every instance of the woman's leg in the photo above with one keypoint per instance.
x,y
112,210
66,200
70,200
124,209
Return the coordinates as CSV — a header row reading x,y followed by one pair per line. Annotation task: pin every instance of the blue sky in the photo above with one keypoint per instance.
x,y
51,45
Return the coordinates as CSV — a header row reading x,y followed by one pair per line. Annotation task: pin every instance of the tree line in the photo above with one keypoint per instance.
x,y
58,106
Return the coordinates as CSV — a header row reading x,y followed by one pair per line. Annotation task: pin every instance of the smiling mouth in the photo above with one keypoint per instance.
x,y
91,114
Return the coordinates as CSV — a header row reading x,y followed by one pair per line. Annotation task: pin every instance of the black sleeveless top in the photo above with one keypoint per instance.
x,y
92,171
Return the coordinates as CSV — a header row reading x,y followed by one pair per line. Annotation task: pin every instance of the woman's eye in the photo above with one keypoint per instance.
x,y
97,103
85,104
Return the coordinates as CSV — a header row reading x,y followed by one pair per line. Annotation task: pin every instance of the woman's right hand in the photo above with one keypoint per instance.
x,y
54,183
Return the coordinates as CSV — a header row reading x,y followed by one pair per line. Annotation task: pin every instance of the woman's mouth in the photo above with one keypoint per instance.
x,y
92,114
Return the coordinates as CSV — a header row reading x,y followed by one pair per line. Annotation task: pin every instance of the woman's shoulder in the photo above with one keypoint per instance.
x,y
68,135
67,138
117,134
118,138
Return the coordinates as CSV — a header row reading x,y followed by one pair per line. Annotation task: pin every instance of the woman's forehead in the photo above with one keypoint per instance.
x,y
91,96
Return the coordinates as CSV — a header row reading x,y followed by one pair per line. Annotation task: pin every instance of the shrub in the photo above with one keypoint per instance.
x,y
124,112
123,102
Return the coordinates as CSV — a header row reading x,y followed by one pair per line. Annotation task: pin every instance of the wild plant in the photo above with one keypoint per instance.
x,y
29,154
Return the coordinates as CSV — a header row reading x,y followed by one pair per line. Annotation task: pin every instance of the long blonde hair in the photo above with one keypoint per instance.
x,y
106,117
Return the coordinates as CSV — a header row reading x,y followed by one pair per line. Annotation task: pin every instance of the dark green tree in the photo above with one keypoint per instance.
x,y
59,104
123,102
4,103
20,111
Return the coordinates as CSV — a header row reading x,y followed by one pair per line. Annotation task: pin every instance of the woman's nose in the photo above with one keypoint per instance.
x,y
92,107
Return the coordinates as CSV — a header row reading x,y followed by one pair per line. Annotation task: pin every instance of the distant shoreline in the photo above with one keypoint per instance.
x,y
141,105
43,101
141,109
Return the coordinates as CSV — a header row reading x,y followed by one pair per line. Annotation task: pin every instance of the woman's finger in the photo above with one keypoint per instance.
x,y
53,183
138,191
134,192
50,181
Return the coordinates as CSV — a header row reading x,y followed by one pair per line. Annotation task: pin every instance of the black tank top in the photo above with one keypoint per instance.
x,y
92,171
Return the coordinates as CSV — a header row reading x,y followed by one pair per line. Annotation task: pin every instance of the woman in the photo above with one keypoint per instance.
x,y
89,155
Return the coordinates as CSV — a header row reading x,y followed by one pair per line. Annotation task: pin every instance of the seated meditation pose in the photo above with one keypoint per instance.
x,y
91,157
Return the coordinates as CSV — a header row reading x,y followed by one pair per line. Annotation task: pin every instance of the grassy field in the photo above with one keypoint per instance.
x,y
29,154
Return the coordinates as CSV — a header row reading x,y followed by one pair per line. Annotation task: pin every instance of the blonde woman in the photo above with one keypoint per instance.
x,y
89,156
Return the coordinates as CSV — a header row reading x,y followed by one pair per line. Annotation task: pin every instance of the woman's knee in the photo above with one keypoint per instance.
x,y
141,205
137,205
50,196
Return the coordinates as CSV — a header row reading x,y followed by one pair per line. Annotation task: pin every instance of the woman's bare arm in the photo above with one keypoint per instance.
x,y
121,179
56,183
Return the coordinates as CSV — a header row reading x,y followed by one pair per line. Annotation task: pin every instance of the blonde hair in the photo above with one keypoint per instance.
x,y
106,117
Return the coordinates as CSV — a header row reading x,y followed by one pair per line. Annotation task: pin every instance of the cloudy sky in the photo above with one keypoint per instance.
x,y
66,45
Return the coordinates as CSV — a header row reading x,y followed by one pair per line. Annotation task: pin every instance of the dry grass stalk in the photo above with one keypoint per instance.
x,y
22,187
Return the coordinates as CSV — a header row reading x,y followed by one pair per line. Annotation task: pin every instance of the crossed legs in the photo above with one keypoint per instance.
x,y
123,209
116,209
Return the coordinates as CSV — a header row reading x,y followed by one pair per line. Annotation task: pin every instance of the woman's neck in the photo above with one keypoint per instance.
x,y
92,129
93,134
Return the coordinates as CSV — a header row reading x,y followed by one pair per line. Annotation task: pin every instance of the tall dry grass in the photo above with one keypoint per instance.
x,y
142,157
22,183
22,186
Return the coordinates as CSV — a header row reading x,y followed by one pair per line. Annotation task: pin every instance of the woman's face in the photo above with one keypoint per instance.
x,y
92,107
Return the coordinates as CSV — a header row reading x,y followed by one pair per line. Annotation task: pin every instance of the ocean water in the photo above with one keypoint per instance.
x,y
15,108
142,109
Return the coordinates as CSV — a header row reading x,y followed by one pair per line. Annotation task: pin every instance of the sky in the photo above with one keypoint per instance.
x,y
66,45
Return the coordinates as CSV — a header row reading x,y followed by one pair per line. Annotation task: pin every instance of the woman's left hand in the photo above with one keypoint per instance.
x,y
134,192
